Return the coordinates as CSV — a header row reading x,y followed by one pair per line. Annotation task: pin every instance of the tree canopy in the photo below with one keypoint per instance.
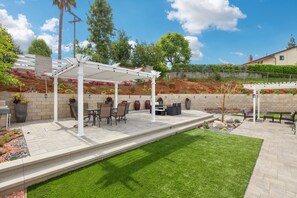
x,y
120,51
39,47
8,55
101,29
292,42
175,48
146,54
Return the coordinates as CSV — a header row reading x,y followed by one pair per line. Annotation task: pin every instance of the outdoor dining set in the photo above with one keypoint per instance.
x,y
103,111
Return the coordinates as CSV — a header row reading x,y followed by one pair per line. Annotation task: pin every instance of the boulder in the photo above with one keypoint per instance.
x,y
219,124
229,120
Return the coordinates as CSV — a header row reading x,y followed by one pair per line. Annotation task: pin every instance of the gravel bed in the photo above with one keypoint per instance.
x,y
19,142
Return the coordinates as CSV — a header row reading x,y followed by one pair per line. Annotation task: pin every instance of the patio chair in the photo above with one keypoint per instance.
x,y
248,113
105,112
99,104
127,105
120,114
288,117
86,112
74,110
172,110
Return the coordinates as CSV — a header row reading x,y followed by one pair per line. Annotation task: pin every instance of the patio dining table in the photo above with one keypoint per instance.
x,y
93,112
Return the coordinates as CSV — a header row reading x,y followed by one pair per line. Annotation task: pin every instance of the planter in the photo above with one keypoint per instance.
x,y
21,112
147,104
188,104
137,105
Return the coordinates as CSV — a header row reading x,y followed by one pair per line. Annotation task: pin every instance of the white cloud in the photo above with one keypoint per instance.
x,y
197,16
50,25
132,43
240,54
21,2
20,29
195,46
51,40
223,61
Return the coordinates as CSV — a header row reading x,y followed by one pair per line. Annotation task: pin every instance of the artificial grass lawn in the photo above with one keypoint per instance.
x,y
197,163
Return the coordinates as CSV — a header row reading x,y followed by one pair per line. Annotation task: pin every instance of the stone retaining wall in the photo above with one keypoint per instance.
x,y
41,108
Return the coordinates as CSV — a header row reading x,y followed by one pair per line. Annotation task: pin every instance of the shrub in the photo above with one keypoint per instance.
x,y
6,138
217,76
292,91
1,142
102,87
19,98
237,121
166,80
103,92
276,91
133,88
93,88
205,125
2,151
244,91
61,87
111,90
69,91
279,69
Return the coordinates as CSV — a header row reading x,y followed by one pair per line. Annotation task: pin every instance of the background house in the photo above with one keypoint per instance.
x,y
284,57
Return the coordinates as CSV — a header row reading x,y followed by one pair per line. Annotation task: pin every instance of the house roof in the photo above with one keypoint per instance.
x,y
269,56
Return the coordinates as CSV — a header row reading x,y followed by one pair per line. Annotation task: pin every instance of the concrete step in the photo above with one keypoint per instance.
x,y
31,170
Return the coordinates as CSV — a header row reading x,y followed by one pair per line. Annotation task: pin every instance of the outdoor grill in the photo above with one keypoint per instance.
x,y
4,110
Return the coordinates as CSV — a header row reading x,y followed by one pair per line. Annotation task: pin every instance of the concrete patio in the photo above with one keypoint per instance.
x,y
275,173
46,136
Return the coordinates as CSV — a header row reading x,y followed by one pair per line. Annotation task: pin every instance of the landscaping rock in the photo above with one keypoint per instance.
x,y
229,120
219,124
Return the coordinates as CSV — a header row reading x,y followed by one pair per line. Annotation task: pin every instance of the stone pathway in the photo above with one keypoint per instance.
x,y
275,173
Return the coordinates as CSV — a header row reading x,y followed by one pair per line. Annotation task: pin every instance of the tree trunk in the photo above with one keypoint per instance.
x,y
60,33
223,107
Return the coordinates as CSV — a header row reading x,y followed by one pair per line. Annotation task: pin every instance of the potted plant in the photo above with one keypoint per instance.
x,y
109,101
20,107
71,100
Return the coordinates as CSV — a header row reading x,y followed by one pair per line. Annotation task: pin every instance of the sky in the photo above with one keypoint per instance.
x,y
219,31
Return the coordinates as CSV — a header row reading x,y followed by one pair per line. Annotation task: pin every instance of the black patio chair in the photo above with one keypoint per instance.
x,y
248,113
74,110
288,117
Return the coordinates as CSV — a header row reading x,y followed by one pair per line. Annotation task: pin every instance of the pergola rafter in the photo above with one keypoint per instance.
x,y
82,69
258,87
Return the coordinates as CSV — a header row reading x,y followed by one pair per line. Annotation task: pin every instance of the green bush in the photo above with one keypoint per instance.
x,y
69,91
292,91
277,69
276,91
6,138
132,88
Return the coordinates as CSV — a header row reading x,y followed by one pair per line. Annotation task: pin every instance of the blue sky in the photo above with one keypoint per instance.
x,y
219,31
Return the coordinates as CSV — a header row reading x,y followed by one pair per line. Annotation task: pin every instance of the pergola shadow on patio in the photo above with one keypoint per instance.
x,y
82,69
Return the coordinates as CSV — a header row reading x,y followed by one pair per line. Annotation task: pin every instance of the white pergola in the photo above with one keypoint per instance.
x,y
82,69
258,87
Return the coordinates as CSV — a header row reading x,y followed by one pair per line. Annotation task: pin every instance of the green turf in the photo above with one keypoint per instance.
x,y
197,163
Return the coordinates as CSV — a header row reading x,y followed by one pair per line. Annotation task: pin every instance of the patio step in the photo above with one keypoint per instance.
x,y
31,170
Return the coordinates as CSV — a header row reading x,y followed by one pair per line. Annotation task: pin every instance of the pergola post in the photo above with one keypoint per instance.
x,y
116,86
254,105
80,99
153,99
258,103
55,99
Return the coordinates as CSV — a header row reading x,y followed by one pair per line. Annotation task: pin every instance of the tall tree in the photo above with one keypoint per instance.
x,y
175,48
62,5
292,42
101,29
8,55
120,51
146,54
39,47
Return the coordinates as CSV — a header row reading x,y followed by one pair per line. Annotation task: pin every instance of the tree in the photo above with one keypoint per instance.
x,y
146,54
175,48
292,42
101,29
8,55
62,5
39,47
120,50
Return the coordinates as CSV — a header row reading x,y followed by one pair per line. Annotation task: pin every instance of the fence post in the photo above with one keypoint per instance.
x,y
267,76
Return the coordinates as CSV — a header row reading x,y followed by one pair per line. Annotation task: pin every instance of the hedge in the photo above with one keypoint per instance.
x,y
279,69
206,68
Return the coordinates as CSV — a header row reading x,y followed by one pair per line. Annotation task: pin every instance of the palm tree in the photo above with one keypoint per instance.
x,y
62,5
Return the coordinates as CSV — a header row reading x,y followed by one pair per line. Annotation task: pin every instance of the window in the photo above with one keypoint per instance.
x,y
281,57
